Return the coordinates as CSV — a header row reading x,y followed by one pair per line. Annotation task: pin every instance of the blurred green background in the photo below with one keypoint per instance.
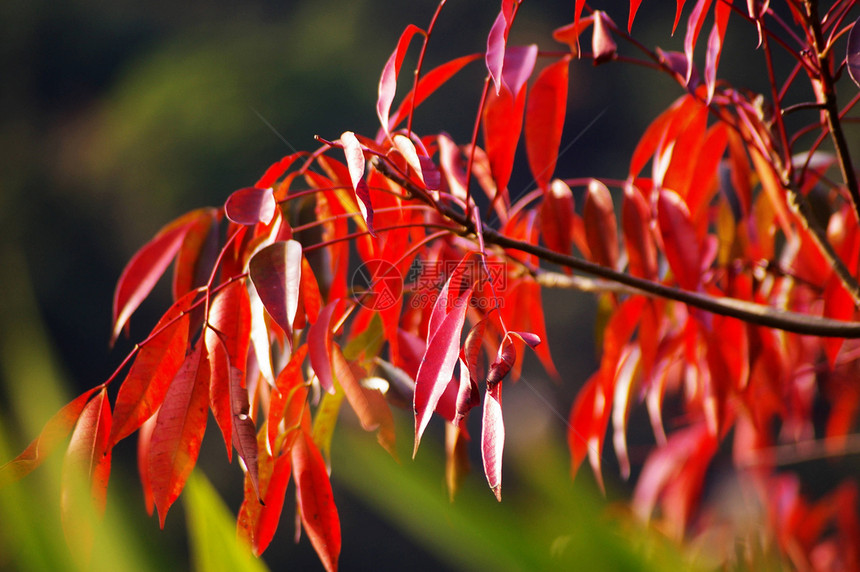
x,y
115,120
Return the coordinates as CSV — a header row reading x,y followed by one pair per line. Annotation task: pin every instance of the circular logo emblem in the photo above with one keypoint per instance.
x,y
377,284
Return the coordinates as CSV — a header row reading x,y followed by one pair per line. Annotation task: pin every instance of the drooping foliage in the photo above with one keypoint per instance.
x,y
725,293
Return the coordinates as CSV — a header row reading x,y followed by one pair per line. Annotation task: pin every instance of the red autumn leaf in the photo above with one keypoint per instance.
x,y
601,228
497,43
624,377
680,243
694,26
471,352
274,172
54,431
89,451
839,305
715,45
638,240
197,254
244,432
88,459
273,504
288,398
493,438
570,33
276,273
315,500
603,47
437,365
157,362
319,346
310,292
679,7
467,394
227,344
589,417
545,112
354,153
427,84
505,359
145,268
388,80
852,56
421,164
144,438
557,216
251,206
369,404
178,432
634,7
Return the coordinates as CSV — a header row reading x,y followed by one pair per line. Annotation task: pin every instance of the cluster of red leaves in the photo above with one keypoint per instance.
x,y
267,332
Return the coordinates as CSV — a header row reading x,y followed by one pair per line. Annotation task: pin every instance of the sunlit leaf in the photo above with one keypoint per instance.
x,y
55,430
319,346
493,438
316,502
601,228
682,248
497,43
388,80
355,160
603,47
145,268
694,26
715,45
197,254
276,273
155,366
251,206
178,431
437,365
545,113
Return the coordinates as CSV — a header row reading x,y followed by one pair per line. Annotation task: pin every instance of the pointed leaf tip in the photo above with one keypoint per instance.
x,y
354,153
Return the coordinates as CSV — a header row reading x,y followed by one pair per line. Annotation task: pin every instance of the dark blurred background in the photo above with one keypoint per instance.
x,y
114,121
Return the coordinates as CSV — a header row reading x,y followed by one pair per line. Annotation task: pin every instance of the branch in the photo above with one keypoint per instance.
x,y
750,312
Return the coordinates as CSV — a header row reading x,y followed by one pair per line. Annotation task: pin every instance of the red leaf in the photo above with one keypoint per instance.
x,y
144,438
588,419
178,431
276,272
230,316
273,504
680,243
467,394
638,240
369,404
694,26
197,254
557,216
570,33
429,82
601,230
319,346
505,359
634,7
274,172
852,56
244,432
545,112
316,502
624,376
679,7
715,45
354,153
55,430
603,47
88,457
388,80
251,205
437,365
145,268
502,123
497,43
471,353
288,399
143,390
493,438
